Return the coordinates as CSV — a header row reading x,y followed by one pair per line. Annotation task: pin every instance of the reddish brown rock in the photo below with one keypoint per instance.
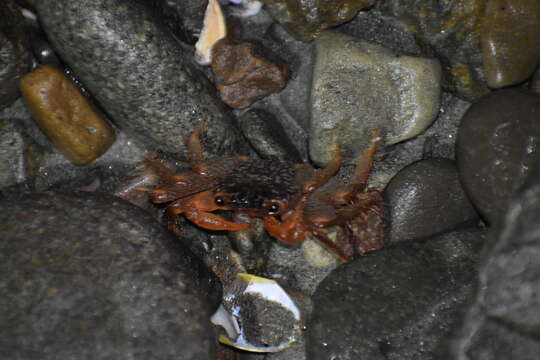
x,y
245,72
65,115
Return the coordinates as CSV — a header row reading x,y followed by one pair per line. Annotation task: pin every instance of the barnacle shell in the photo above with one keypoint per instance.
x,y
214,29
257,315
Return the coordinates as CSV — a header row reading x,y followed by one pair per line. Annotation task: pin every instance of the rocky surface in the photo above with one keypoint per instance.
x,y
504,320
398,94
15,58
398,303
157,95
95,277
495,148
426,198
510,41
306,19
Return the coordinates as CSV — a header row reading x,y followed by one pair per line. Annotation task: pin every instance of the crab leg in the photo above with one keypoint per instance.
x,y
197,209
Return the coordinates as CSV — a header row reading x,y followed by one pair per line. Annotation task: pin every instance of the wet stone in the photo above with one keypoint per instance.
x,y
65,115
505,319
398,94
90,276
306,19
397,303
138,72
266,136
451,29
15,58
494,149
245,72
510,41
184,18
13,144
426,198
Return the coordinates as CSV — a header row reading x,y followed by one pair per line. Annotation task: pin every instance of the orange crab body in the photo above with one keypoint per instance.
x,y
295,201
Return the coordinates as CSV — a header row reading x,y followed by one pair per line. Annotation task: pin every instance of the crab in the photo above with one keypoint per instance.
x,y
294,201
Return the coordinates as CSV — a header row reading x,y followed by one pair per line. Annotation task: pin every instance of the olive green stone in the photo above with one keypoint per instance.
x,y
305,19
510,41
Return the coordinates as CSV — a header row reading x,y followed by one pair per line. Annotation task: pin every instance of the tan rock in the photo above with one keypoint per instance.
x,y
65,115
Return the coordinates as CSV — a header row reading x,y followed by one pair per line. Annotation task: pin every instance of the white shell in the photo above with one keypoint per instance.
x,y
214,29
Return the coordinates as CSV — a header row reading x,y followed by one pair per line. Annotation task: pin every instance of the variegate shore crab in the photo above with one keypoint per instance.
x,y
294,200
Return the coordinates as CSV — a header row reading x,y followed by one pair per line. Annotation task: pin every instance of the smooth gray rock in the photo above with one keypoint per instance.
x,y
426,198
504,321
131,63
495,148
396,303
93,277
359,85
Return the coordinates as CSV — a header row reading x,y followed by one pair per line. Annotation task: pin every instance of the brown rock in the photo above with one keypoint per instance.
x,y
510,41
245,72
65,115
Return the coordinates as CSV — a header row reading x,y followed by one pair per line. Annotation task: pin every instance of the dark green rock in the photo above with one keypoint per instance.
x,y
306,19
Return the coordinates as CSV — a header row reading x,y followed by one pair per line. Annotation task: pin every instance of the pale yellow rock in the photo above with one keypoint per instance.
x,y
65,115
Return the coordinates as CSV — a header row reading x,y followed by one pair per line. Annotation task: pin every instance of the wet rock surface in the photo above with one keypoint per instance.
x,y
426,198
399,94
398,303
305,19
157,95
510,41
504,320
495,148
94,277
15,57
14,142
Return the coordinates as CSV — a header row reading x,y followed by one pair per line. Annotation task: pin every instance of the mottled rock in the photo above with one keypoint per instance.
x,y
397,303
65,115
306,19
13,144
510,41
266,136
358,85
138,72
426,198
15,58
494,149
89,277
504,321
245,72
452,29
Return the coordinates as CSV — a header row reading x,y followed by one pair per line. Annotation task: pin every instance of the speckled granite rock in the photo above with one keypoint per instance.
x,y
510,41
398,303
305,19
13,144
495,148
426,198
451,29
93,277
504,321
15,57
138,72
358,85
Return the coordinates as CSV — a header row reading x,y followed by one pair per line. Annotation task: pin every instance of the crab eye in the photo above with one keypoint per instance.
x,y
219,200
272,209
